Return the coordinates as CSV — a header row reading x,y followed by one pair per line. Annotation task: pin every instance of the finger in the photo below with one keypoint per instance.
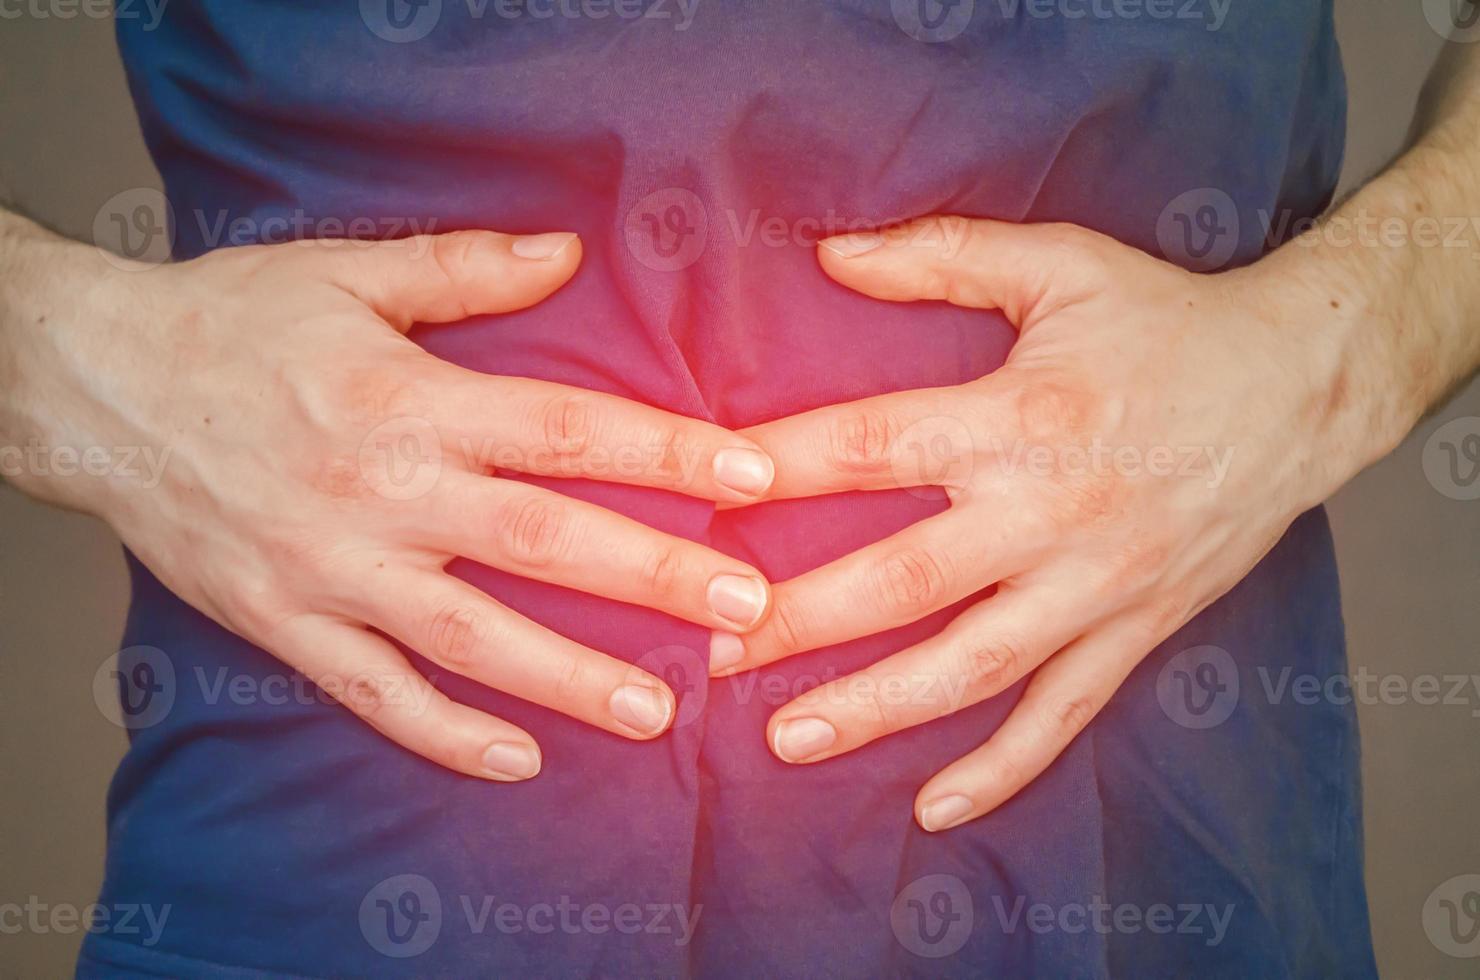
x,y
1023,270
529,426
536,533
1061,699
371,678
983,652
458,627
906,439
442,278
890,583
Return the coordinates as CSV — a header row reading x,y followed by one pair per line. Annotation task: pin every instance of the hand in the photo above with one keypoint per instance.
x,y
1151,436
280,383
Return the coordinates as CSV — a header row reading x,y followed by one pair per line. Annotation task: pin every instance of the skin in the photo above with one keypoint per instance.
x,y
1324,355
307,545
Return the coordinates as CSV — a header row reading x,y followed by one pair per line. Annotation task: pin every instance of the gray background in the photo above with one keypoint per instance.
x,y
1409,559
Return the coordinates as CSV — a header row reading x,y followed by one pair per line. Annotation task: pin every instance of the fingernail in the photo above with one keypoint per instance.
x,y
802,738
510,760
855,244
944,812
542,248
738,598
744,471
641,709
725,651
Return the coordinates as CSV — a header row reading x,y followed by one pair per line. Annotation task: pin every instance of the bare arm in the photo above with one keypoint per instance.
x,y
1403,267
1276,382
316,470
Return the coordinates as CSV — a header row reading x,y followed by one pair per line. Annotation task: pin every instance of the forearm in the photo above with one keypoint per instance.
x,y
1391,279
54,317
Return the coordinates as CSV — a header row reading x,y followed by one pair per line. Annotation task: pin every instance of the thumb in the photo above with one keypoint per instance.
x,y
442,278
972,262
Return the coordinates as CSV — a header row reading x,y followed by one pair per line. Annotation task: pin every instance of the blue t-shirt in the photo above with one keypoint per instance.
x,y
1203,825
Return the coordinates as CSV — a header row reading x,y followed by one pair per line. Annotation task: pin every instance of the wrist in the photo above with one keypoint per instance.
x,y
54,321
1336,319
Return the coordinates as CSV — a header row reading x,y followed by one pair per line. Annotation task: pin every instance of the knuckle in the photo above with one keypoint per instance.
x,y
571,681
257,611
878,710
1064,718
860,441
1167,614
365,694
1064,236
1029,521
668,451
663,570
1047,408
992,665
945,233
1004,776
1076,256
912,580
955,227
532,530
340,478
568,425
370,395
790,623
452,254
452,636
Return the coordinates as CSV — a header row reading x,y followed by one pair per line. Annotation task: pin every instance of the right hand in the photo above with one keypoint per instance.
x,y
281,382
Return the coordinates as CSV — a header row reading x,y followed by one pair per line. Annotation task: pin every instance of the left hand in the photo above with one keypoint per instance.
x,y
1150,438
